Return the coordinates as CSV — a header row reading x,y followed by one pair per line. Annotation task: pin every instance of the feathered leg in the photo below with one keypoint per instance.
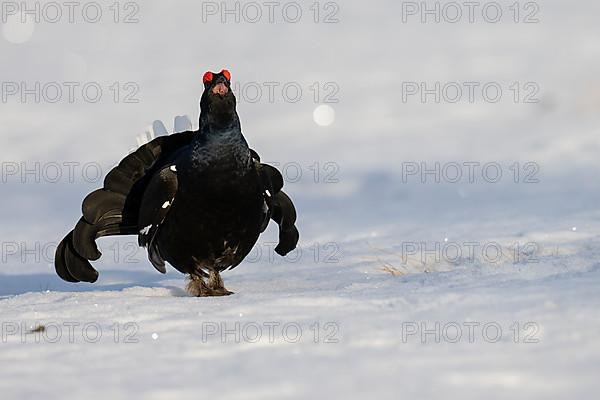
x,y
215,283
198,288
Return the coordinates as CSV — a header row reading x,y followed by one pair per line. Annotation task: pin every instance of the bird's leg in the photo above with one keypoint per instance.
x,y
197,287
215,283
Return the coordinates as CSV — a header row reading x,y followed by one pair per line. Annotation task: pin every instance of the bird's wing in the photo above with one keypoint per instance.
x,y
279,208
156,203
114,209
284,214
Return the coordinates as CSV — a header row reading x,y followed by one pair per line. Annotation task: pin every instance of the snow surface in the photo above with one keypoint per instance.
x,y
363,287
181,351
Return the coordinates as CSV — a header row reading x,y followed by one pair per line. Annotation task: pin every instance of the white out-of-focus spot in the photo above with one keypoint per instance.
x,y
574,228
324,115
17,32
155,336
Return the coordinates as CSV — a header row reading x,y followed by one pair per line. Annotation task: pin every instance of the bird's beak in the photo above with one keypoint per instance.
x,y
221,89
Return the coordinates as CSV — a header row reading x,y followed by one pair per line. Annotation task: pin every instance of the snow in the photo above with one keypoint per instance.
x,y
377,266
186,347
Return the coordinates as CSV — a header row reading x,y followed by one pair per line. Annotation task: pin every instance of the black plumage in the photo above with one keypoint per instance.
x,y
198,200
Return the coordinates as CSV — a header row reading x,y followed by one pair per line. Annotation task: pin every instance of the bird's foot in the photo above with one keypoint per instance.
x,y
198,288
215,283
220,292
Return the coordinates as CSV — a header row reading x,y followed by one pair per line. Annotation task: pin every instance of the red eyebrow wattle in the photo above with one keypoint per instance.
x,y
226,74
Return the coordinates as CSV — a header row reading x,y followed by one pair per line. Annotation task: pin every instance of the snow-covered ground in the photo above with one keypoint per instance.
x,y
403,285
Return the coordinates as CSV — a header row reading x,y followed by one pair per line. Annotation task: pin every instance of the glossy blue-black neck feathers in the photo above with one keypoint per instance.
x,y
219,143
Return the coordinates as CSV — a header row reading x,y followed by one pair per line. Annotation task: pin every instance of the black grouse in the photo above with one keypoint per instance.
x,y
197,199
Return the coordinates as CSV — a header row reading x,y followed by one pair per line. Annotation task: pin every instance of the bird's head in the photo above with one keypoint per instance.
x,y
217,106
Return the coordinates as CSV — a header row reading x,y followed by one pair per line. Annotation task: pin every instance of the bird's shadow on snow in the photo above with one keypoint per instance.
x,y
13,285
